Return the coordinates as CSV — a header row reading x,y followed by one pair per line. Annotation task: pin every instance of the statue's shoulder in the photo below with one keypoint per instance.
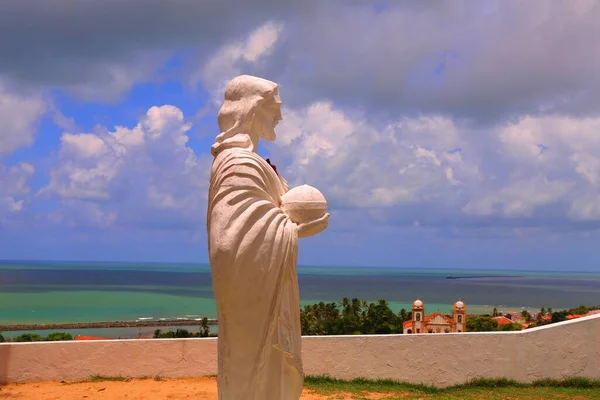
x,y
239,156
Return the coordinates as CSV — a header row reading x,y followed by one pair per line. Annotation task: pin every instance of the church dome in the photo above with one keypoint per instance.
x,y
418,303
459,304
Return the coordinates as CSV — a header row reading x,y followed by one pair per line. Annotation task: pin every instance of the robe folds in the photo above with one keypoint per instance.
x,y
253,249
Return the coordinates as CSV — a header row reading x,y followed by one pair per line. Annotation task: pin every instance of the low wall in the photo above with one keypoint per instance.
x,y
570,348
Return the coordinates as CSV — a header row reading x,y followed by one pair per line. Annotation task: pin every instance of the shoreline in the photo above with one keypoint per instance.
x,y
107,324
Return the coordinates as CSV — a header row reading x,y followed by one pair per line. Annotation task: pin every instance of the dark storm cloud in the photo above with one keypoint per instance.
x,y
64,42
475,59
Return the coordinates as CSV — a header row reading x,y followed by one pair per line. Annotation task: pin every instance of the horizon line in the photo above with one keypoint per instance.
x,y
190,263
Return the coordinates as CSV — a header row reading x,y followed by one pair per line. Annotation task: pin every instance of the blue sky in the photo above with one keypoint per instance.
x,y
442,134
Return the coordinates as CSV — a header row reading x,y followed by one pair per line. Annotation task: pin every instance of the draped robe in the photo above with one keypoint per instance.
x,y
253,248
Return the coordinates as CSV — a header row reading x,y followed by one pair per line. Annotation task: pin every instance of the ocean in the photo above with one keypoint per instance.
x,y
65,292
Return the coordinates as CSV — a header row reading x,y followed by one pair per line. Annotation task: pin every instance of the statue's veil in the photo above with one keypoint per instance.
x,y
243,96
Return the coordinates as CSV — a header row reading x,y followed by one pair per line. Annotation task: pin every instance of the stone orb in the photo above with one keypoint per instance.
x,y
304,204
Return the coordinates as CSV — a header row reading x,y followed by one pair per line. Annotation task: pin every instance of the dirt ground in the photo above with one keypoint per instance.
x,y
138,389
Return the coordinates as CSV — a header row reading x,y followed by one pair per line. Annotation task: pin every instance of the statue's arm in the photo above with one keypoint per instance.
x,y
244,179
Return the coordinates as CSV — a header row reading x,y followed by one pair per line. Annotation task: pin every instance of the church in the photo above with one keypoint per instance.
x,y
436,322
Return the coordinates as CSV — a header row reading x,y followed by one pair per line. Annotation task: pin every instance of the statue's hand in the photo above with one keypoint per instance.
x,y
313,227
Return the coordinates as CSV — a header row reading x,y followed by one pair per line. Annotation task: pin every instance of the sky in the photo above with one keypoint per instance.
x,y
444,134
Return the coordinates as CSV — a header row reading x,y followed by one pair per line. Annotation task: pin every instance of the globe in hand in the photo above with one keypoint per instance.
x,y
304,204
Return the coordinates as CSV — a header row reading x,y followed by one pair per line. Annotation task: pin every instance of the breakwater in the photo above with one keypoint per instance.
x,y
108,324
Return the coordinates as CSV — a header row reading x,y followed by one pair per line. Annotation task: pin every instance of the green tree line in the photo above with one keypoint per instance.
x,y
184,333
34,337
352,317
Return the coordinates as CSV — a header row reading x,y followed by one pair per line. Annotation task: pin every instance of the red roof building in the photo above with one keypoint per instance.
x,y
502,320
84,337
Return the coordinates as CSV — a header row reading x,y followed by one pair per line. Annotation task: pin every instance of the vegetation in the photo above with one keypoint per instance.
x,y
179,333
103,378
501,388
351,317
34,337
29,337
486,323
558,316
184,333
58,336
204,327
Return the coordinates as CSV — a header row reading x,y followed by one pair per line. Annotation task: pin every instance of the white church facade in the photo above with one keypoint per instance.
x,y
436,322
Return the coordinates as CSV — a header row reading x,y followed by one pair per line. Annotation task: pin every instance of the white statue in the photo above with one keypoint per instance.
x,y
253,248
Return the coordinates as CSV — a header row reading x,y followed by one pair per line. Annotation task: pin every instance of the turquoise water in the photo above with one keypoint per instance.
x,y
62,292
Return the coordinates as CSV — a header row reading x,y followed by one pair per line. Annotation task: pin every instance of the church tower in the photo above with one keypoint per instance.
x,y
460,315
418,313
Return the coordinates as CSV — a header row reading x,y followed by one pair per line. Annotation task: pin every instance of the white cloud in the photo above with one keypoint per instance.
x,y
542,161
563,146
586,207
562,135
130,175
588,166
360,166
18,116
14,188
229,60
519,199
510,171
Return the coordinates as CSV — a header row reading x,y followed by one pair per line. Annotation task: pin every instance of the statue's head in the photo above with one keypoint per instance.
x,y
252,105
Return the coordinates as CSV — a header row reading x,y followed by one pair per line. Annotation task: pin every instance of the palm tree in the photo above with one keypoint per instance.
x,y
204,327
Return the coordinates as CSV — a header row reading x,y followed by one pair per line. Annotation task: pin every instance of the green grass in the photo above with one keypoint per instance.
x,y
480,388
500,388
103,378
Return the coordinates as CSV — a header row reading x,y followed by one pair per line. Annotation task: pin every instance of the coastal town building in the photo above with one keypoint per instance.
x,y
574,316
436,322
515,317
503,320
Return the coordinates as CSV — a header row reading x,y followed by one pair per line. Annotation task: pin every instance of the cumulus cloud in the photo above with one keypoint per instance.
x,y
520,198
14,188
561,147
230,60
144,175
360,166
535,168
18,116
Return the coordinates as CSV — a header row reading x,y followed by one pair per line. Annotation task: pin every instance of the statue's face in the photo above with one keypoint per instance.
x,y
267,117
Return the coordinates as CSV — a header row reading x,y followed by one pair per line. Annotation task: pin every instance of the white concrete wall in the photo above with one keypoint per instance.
x,y
569,348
